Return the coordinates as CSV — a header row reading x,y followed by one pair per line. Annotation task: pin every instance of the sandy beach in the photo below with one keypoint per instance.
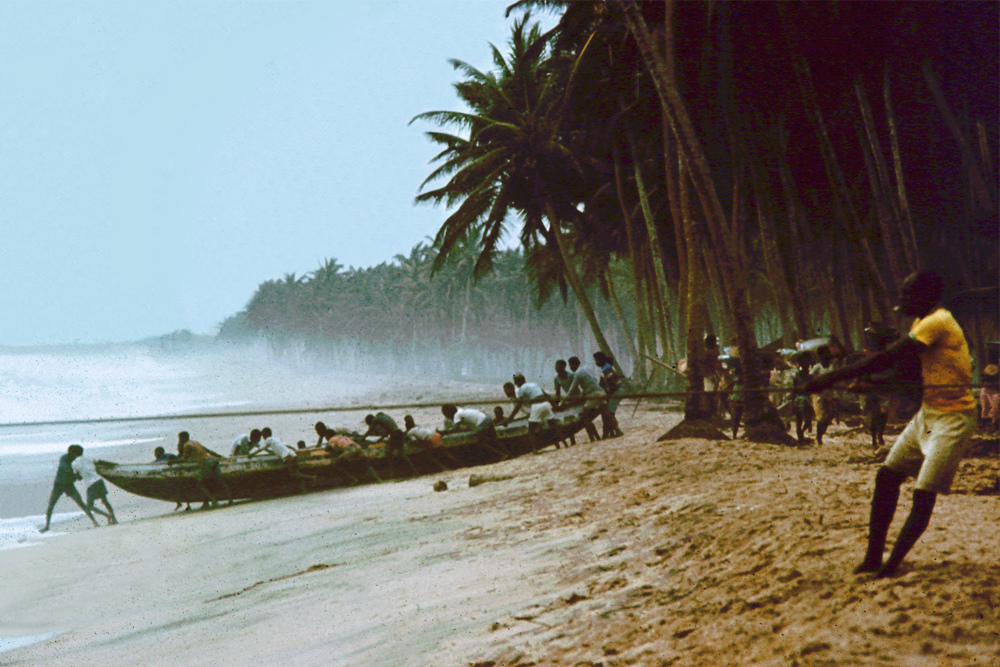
x,y
621,552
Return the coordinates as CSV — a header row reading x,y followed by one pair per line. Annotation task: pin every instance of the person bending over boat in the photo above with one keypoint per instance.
x,y
586,388
345,453
244,444
933,443
428,439
192,451
289,457
563,381
384,427
65,476
539,413
321,434
470,419
96,489
161,456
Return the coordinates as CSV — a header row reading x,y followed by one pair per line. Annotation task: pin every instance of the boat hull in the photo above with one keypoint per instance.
x,y
266,477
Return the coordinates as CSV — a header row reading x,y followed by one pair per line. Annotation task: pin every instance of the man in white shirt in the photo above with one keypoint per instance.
x,y
244,444
96,490
586,386
428,439
289,457
470,419
540,410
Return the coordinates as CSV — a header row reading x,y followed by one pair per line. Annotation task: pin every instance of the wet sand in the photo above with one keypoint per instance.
x,y
622,552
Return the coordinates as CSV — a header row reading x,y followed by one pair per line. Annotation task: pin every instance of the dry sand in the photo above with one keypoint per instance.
x,y
620,552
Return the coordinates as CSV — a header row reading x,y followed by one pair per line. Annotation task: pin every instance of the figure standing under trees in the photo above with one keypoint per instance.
x,y
801,406
934,442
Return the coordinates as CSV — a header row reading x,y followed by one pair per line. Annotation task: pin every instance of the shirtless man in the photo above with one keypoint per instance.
x,y
934,442
208,467
384,427
65,476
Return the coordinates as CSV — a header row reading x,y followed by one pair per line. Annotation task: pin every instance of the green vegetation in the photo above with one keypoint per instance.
x,y
756,170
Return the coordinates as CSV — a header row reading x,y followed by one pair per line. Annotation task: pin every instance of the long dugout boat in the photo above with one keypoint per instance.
x,y
264,476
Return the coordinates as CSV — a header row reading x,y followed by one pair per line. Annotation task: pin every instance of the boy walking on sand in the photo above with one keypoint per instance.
x,y
65,476
933,443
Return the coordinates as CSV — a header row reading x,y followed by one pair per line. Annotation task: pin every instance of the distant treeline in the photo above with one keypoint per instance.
x,y
394,317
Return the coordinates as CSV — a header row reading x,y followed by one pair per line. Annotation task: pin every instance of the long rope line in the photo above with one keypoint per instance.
x,y
409,406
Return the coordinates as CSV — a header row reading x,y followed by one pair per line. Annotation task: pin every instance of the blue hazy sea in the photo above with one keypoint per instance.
x,y
41,386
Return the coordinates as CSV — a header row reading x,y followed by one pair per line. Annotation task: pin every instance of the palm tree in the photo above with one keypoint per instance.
x,y
515,160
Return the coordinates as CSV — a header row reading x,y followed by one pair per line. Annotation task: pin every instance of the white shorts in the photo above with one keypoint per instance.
x,y
931,447
540,412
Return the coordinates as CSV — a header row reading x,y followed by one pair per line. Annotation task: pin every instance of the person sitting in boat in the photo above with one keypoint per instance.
x,y
586,388
539,412
289,458
470,419
244,444
498,416
384,427
192,451
162,456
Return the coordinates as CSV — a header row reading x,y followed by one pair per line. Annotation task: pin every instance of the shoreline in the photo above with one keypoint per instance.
x,y
625,551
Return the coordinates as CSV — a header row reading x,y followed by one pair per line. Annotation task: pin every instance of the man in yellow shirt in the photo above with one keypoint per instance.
x,y
934,442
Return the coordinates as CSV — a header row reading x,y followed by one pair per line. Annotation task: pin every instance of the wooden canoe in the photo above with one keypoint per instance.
x,y
264,476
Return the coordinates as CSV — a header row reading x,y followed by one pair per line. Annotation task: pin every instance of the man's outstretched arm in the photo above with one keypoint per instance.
x,y
903,351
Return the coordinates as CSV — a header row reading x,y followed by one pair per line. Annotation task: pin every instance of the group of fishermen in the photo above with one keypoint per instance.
x,y
790,372
574,384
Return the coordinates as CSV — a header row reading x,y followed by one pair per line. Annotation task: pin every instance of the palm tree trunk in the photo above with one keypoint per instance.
x,y
640,311
762,424
655,250
620,314
905,219
577,286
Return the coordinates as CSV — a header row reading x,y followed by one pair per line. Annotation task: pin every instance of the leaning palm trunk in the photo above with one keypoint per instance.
x,y
640,311
762,422
576,284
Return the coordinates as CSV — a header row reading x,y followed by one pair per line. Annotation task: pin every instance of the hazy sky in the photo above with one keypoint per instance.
x,y
159,160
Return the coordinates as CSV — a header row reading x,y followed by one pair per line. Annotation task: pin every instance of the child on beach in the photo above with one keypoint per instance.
x,y
96,490
65,476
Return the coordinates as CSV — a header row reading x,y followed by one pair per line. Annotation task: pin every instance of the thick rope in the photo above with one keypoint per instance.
x,y
407,406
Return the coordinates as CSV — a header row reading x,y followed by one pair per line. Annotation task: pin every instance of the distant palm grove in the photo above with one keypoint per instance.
x,y
756,170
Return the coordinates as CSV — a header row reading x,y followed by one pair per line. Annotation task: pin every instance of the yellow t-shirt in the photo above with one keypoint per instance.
x,y
945,362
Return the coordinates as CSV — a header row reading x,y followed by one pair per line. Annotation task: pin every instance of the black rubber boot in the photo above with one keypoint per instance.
x,y
916,524
884,500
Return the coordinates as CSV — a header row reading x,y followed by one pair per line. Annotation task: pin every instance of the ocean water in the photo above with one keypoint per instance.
x,y
39,389
23,531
